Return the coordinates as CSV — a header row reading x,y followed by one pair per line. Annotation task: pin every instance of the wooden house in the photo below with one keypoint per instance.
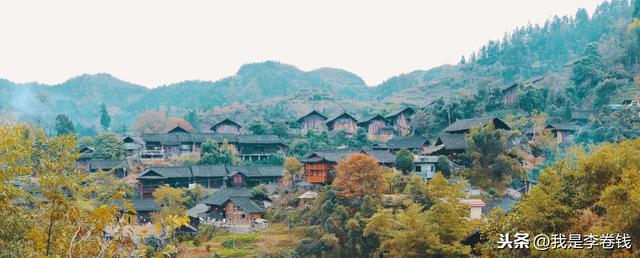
x,y
400,120
235,206
209,176
226,126
582,116
509,95
250,176
178,142
345,122
416,144
154,177
319,166
256,147
452,140
86,154
142,207
562,132
132,145
312,121
377,126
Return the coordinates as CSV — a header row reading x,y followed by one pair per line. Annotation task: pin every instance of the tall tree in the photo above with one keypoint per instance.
x,y
214,154
151,121
105,118
64,125
192,118
357,176
108,146
404,161
488,151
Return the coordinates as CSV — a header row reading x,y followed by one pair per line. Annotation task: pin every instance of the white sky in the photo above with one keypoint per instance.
x,y
154,42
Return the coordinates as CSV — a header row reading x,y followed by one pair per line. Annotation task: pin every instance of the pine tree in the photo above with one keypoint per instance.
x,y
105,118
64,125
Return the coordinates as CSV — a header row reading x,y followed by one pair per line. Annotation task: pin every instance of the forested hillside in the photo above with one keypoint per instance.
x,y
587,61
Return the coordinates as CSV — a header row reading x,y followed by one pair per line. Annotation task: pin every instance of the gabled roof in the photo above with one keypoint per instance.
x,y
367,120
166,172
310,114
198,210
209,171
86,149
572,127
256,171
145,205
399,111
246,204
382,156
178,129
330,156
225,121
221,196
131,139
331,120
105,164
259,139
405,142
464,125
452,141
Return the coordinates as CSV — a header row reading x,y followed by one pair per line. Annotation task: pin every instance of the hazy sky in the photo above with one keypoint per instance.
x,y
160,42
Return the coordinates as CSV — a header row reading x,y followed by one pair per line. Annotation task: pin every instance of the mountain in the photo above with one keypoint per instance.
x,y
274,90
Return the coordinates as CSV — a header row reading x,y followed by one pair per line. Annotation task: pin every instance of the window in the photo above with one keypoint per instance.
x,y
418,168
243,215
433,168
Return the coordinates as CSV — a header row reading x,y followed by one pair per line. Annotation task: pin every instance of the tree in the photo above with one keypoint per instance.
x,y
357,176
152,121
108,146
260,192
488,151
213,154
443,166
420,122
280,129
173,199
64,125
292,167
258,127
588,71
64,225
105,118
404,161
175,122
192,119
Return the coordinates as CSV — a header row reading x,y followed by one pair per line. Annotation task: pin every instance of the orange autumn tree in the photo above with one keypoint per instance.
x,y
176,121
357,176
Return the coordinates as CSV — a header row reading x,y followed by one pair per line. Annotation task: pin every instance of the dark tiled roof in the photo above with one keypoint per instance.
x,y
209,171
166,172
198,210
256,171
312,113
452,141
178,129
145,205
131,139
219,197
225,121
105,164
381,156
367,120
406,142
262,139
463,125
563,127
331,156
399,111
331,120
247,204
